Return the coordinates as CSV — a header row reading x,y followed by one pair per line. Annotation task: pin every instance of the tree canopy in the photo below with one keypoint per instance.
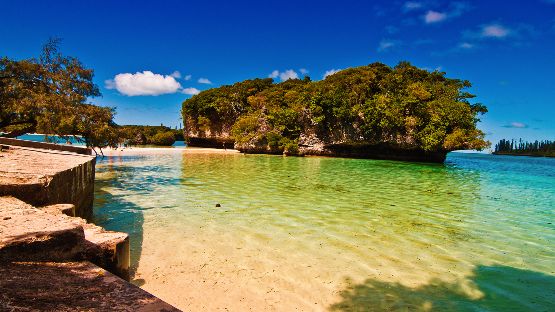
x,y
49,95
403,106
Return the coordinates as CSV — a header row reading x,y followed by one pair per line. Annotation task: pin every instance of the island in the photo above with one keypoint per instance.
x,y
523,148
374,111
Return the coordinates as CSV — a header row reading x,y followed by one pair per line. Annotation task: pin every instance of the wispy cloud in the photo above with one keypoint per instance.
x,y
204,81
331,72
190,91
434,17
143,83
303,71
467,45
412,5
387,44
176,74
516,124
288,74
188,77
494,31
455,9
519,35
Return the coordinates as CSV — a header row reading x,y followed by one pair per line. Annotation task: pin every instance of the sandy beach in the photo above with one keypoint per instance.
x,y
130,151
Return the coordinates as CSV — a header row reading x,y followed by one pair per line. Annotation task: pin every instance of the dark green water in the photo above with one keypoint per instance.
x,y
475,234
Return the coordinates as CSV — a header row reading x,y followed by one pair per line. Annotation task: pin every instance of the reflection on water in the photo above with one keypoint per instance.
x,y
331,233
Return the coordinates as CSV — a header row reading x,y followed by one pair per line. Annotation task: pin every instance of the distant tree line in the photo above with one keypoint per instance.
x,y
155,135
520,147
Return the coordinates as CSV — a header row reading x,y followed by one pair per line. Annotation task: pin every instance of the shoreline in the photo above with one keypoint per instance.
x,y
131,151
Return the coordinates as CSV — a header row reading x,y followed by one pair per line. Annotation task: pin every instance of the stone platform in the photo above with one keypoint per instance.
x,y
44,177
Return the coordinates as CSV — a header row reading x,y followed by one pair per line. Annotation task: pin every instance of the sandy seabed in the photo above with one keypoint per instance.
x,y
321,234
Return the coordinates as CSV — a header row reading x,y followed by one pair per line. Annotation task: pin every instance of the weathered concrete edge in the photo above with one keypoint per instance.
x,y
48,146
74,185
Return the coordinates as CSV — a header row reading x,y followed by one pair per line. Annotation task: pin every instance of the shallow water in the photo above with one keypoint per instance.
x,y
336,234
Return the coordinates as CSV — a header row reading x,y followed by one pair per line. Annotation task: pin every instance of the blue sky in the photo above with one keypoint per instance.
x,y
150,56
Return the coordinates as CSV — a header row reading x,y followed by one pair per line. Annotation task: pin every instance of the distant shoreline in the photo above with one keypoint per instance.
x,y
528,155
165,150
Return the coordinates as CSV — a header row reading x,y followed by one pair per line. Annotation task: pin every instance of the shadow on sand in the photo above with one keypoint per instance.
x,y
499,288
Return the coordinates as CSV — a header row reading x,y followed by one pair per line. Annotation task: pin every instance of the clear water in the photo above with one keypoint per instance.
x,y
72,140
474,234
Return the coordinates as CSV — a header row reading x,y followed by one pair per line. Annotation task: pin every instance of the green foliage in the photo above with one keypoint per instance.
x,y
142,135
49,95
220,107
166,138
403,106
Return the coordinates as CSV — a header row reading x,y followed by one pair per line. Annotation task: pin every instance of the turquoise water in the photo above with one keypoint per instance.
x,y
58,140
474,234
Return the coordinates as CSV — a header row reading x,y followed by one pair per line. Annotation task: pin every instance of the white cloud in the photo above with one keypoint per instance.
x,y
188,77
331,72
411,5
466,45
434,17
204,81
386,44
274,74
176,74
494,31
190,91
515,124
455,9
143,83
288,74
303,71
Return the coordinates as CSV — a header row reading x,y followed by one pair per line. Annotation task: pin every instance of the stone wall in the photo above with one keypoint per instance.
x,y
45,177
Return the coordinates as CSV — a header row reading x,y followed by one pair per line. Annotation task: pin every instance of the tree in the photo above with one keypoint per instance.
x,y
49,95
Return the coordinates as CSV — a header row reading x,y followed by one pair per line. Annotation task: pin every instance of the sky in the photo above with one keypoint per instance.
x,y
150,56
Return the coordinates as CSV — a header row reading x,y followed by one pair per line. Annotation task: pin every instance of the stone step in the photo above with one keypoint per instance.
x,y
70,286
31,234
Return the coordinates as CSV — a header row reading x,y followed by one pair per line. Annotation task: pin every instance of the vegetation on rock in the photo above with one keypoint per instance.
x,y
142,135
402,108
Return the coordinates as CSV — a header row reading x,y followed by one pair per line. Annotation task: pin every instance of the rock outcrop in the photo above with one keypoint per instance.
x,y
373,111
